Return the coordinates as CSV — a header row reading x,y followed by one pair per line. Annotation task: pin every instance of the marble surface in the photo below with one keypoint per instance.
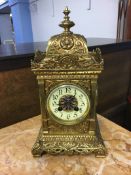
x,y
17,140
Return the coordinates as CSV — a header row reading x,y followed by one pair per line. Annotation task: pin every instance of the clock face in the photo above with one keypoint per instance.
x,y
68,104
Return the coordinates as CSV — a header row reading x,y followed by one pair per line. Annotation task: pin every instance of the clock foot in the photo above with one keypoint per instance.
x,y
101,152
37,150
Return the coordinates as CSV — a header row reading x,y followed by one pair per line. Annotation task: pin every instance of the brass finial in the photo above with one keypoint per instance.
x,y
66,23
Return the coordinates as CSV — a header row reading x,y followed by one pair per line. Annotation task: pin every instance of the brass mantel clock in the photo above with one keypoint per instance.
x,y
67,76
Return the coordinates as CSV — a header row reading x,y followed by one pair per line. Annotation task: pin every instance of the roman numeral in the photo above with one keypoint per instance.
x,y
55,97
82,104
68,90
60,92
68,116
75,92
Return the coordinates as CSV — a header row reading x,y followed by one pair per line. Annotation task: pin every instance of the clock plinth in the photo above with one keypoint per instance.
x,y
67,77
70,144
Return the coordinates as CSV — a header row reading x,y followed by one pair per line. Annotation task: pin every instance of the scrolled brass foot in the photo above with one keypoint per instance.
x,y
37,150
101,152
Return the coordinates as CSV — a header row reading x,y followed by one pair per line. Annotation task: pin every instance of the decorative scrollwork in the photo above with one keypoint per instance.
x,y
57,128
49,84
70,144
67,61
39,56
66,42
68,51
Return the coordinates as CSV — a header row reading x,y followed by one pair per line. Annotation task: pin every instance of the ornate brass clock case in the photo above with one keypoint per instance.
x,y
67,77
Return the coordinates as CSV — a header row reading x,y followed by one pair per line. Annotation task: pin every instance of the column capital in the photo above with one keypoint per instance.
x,y
21,20
14,2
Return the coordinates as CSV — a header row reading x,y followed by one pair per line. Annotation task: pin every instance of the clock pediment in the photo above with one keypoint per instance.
x,y
91,61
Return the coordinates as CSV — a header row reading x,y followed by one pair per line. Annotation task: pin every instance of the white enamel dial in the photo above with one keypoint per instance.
x,y
68,104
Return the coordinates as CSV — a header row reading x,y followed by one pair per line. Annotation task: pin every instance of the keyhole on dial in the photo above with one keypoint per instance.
x,y
76,108
60,108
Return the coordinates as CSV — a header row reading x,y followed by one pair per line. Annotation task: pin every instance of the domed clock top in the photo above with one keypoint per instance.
x,y
68,51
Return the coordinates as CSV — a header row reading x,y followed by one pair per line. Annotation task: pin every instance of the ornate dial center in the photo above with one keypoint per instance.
x,y
68,103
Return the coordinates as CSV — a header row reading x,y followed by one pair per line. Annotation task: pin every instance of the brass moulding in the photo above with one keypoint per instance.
x,y
68,63
89,62
69,144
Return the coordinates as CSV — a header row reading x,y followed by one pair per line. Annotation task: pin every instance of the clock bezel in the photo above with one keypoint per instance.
x,y
70,122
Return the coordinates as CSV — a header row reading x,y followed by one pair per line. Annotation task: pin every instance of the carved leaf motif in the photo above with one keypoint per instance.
x,y
70,147
69,62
